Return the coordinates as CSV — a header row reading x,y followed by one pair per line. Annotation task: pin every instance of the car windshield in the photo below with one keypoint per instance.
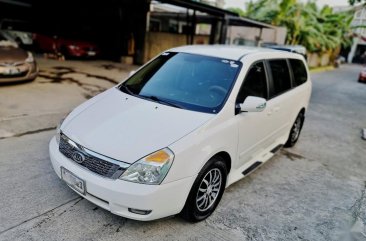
x,y
187,81
4,43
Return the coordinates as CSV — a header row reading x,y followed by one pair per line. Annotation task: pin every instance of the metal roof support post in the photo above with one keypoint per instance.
x,y
259,39
213,31
223,32
187,24
139,32
193,27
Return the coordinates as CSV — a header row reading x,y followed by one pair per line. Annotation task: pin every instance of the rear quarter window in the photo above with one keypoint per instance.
x,y
299,71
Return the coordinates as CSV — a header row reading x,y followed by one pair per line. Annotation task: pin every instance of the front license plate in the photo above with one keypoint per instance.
x,y
91,53
10,71
73,181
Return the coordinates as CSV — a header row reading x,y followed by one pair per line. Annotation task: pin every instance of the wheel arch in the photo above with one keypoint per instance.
x,y
226,157
303,110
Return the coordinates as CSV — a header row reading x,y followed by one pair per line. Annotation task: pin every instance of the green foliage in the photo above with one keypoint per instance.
x,y
318,30
353,2
238,11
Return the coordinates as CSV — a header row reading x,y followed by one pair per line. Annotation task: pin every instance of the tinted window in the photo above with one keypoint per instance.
x,y
255,83
280,75
193,82
299,71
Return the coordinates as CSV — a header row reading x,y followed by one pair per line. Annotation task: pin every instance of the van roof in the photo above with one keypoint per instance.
x,y
226,51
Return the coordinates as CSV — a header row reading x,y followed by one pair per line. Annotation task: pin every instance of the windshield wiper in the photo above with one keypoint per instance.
x,y
162,101
126,89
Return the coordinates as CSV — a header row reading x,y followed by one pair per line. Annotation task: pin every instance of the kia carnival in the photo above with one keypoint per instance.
x,y
170,138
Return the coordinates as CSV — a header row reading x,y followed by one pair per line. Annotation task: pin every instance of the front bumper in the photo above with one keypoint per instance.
x,y
361,78
118,196
82,53
28,71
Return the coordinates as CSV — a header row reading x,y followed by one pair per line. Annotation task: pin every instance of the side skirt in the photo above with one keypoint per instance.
x,y
253,164
252,167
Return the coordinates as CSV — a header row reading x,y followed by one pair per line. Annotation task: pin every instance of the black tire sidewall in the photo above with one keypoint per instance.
x,y
291,142
190,210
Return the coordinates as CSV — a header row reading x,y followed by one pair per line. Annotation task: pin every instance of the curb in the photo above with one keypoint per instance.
x,y
321,69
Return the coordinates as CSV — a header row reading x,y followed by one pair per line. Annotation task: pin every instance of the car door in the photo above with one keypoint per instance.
x,y
281,100
254,127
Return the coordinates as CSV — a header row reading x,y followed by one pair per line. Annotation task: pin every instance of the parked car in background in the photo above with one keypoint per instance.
x,y
68,47
362,76
16,31
181,129
16,64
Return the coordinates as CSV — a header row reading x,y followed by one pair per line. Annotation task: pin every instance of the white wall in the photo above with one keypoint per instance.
x,y
274,35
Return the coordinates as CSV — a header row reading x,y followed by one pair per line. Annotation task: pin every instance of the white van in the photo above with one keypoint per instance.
x,y
171,137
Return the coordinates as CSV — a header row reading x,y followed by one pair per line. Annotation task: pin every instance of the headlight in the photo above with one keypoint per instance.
x,y
73,47
151,169
58,129
30,58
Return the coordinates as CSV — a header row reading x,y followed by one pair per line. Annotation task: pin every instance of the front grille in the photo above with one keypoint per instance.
x,y
11,64
90,161
18,75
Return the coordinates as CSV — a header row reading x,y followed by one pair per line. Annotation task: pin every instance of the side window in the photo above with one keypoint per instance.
x,y
280,75
299,71
255,83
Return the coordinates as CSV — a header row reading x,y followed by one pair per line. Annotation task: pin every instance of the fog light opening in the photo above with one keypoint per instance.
x,y
140,212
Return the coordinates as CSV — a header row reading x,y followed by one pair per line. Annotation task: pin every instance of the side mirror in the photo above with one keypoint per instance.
x,y
253,104
131,73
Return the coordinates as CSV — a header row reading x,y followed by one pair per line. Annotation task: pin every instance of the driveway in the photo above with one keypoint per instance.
x,y
314,191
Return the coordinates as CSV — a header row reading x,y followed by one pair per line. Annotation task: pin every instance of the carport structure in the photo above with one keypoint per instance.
x,y
120,27
224,26
219,19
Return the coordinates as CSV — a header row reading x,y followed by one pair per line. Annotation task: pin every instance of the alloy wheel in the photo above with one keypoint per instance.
x,y
209,189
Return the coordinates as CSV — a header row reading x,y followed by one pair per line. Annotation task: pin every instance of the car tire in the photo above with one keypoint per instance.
x,y
206,191
64,53
295,130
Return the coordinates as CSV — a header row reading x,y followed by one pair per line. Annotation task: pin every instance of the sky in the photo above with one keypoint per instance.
x,y
332,3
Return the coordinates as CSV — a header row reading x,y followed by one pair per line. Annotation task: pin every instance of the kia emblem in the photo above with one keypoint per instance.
x,y
78,157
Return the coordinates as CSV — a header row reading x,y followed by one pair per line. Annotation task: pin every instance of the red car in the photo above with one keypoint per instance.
x,y
362,76
67,47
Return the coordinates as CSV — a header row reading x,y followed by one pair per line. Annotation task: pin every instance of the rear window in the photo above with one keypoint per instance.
x,y
299,71
280,75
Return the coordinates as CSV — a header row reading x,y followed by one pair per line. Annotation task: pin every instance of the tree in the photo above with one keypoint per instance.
x,y
238,11
317,29
353,2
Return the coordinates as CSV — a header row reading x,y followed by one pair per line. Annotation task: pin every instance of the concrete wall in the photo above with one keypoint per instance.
x,y
319,59
157,42
275,35
243,32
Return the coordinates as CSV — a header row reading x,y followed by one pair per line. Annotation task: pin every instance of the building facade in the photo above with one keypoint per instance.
x,y
357,53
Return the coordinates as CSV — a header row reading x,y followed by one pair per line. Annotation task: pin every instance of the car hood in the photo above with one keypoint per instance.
x,y
128,128
10,54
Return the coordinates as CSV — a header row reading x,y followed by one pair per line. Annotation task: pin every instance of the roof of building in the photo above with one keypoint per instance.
x,y
232,18
200,7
